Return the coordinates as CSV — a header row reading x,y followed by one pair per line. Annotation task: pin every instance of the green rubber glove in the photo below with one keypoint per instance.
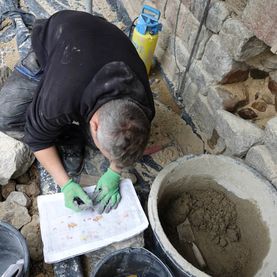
x,y
74,193
106,194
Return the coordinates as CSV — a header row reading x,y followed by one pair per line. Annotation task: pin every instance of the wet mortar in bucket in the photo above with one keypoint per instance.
x,y
228,231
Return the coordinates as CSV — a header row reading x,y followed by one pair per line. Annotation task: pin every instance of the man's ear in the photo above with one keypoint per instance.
x,y
94,123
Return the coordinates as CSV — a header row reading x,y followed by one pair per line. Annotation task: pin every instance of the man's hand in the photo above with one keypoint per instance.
x,y
107,195
72,192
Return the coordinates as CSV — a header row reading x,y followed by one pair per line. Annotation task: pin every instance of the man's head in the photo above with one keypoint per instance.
x,y
120,129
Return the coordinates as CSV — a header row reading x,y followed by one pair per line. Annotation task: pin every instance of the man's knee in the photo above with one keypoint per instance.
x,y
15,97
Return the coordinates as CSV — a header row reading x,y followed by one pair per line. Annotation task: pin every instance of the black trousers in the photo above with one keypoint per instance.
x,y
15,97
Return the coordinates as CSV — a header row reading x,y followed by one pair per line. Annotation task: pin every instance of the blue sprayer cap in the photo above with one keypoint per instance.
x,y
148,21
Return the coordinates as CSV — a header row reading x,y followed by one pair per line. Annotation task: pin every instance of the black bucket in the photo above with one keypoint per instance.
x,y
131,261
13,247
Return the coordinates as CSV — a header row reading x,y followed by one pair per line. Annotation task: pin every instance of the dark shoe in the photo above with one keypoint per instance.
x,y
72,157
30,67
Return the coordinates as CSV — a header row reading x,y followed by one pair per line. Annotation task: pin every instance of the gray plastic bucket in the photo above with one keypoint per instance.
x,y
13,247
234,176
131,261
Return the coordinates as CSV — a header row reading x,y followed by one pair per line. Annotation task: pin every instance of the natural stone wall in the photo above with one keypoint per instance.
x,y
230,87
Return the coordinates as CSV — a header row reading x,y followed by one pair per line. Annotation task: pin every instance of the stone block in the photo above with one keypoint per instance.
x,y
182,54
31,232
23,179
272,83
189,94
264,161
31,189
265,61
215,144
8,188
239,134
164,39
260,18
133,8
218,62
197,8
170,69
239,40
170,13
14,214
200,76
236,6
187,30
221,98
19,198
218,13
270,137
202,116
239,75
15,158
168,61
270,62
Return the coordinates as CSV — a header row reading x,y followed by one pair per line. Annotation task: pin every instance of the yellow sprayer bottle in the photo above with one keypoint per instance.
x,y
145,34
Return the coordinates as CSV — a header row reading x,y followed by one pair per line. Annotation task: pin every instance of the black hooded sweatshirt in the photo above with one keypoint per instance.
x,y
86,62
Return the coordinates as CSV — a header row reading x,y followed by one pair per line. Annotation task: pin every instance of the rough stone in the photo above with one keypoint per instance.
x,y
272,83
189,94
220,98
240,75
265,61
239,134
23,179
182,54
260,106
15,158
187,30
200,76
170,69
218,12
215,144
34,207
247,113
270,62
31,232
132,7
240,41
20,198
168,60
217,97
264,161
30,189
260,18
270,137
163,42
8,188
169,12
237,6
14,214
202,116
197,8
218,62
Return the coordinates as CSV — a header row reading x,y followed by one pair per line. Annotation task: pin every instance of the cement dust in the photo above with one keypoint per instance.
x,y
227,230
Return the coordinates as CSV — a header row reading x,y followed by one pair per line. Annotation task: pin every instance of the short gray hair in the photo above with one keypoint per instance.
x,y
123,131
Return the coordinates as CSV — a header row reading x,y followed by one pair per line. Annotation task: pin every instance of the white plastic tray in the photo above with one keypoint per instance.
x,y
66,234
